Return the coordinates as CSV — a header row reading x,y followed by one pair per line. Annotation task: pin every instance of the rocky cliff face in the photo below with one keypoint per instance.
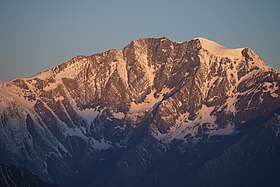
x,y
121,114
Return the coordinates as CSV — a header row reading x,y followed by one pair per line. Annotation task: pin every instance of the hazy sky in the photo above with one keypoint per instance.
x,y
38,35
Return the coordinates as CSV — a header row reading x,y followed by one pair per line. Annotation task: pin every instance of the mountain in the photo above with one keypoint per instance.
x,y
14,176
156,113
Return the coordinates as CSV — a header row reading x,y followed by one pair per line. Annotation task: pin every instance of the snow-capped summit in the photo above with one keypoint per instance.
x,y
237,55
219,50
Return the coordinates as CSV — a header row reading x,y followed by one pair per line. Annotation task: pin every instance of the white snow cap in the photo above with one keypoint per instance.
x,y
219,50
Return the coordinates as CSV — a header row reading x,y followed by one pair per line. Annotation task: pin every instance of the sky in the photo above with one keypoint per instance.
x,y
36,35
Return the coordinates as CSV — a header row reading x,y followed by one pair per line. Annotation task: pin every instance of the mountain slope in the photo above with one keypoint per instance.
x,y
253,160
153,97
13,176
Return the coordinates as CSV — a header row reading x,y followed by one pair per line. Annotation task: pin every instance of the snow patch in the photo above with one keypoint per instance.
x,y
185,127
71,72
149,103
11,97
271,88
142,58
76,132
44,75
228,130
100,145
59,98
88,114
230,103
49,87
118,115
121,69
274,95
219,50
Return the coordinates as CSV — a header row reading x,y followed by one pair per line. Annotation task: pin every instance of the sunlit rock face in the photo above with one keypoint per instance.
x,y
153,114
